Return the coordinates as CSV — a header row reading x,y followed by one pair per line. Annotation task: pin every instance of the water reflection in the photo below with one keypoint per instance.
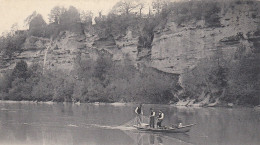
x,y
160,142
68,124
150,138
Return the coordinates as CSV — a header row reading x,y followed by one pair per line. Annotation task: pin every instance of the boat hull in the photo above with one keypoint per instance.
x,y
182,129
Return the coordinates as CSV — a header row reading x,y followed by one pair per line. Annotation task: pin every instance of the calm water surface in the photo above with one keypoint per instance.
x,y
103,124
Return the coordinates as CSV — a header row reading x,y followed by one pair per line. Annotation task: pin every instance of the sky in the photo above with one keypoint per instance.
x,y
16,11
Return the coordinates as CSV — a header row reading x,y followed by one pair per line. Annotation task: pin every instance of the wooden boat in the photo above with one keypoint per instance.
x,y
180,129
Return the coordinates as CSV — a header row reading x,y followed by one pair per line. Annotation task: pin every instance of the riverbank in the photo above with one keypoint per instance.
x,y
186,104
206,103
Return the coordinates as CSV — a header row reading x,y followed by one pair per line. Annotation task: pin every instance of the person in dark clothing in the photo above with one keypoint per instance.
x,y
152,118
160,119
139,113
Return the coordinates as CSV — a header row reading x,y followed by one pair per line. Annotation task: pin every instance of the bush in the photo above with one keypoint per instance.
x,y
20,70
5,82
208,77
21,90
196,10
11,44
231,81
43,91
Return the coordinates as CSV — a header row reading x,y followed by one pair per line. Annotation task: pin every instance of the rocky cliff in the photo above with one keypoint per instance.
x,y
175,47
171,47
178,47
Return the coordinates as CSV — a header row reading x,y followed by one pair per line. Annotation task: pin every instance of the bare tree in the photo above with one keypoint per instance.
x,y
141,6
158,5
125,6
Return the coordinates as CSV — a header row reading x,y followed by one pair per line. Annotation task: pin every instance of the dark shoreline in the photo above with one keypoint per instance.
x,y
125,103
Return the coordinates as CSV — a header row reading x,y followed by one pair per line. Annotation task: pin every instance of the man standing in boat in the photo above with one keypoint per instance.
x,y
152,118
160,119
139,113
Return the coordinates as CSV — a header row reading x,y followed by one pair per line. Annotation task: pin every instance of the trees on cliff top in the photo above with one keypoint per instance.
x,y
36,24
124,7
55,14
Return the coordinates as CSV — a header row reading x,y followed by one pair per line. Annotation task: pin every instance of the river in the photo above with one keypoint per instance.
x,y
105,124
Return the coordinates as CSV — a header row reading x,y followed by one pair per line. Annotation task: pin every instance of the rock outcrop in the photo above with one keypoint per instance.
x,y
170,47
178,47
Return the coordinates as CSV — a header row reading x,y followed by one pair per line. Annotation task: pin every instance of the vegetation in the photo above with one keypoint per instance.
x,y
101,80
230,80
11,43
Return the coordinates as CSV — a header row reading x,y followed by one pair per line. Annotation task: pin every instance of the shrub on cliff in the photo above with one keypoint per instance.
x,y
11,43
114,24
184,12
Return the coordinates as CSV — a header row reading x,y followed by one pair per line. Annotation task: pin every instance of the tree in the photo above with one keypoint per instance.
x,y
11,43
86,17
141,6
21,90
103,65
20,70
70,20
29,18
101,18
36,24
55,14
125,6
159,5
5,82
70,16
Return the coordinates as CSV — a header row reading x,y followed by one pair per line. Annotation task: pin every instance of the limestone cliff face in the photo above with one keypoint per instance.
x,y
62,51
178,47
58,53
173,49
